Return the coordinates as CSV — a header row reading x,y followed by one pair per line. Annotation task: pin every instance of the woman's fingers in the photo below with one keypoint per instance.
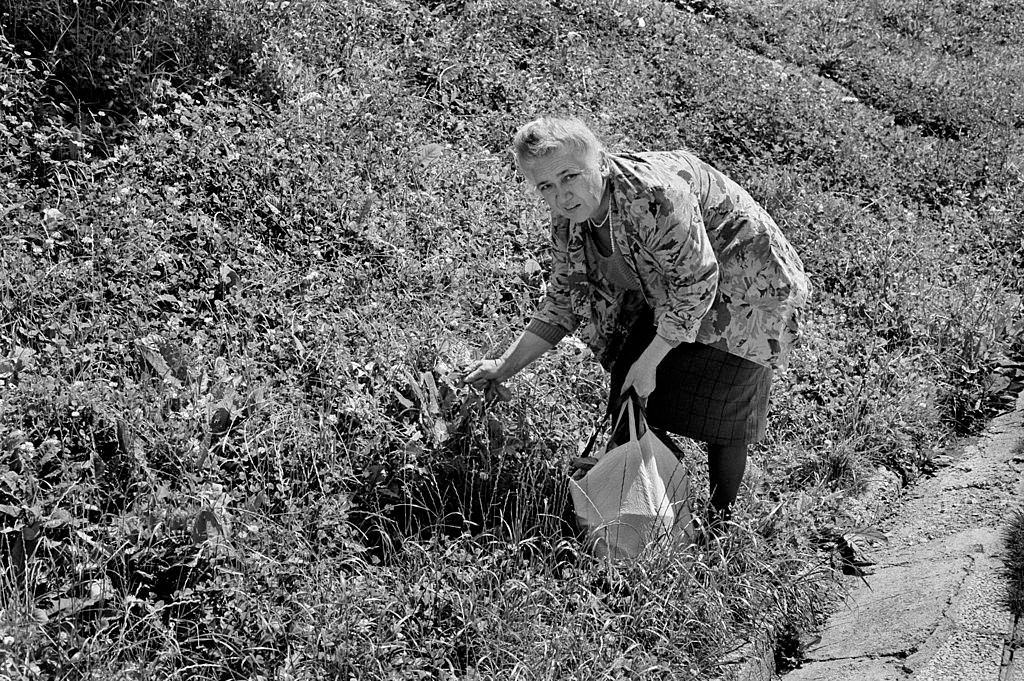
x,y
485,375
481,372
641,379
473,373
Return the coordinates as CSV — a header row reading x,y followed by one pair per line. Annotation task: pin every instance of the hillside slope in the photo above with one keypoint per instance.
x,y
247,244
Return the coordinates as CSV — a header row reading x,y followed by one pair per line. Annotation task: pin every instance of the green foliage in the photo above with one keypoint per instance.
x,y
942,67
93,68
235,305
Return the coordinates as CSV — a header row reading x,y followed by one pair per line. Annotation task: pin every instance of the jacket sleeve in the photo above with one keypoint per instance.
x,y
771,270
556,307
674,245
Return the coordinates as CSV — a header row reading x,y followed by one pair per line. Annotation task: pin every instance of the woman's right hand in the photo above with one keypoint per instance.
x,y
482,372
488,374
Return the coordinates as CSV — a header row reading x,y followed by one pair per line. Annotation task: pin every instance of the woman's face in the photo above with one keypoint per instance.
x,y
570,182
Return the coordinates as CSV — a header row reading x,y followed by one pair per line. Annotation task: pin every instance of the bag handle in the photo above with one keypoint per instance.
x,y
629,394
630,405
593,437
633,437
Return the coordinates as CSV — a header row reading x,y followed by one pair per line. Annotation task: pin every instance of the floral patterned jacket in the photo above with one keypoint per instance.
x,y
711,262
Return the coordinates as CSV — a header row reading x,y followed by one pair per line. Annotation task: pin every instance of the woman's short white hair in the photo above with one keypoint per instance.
x,y
549,134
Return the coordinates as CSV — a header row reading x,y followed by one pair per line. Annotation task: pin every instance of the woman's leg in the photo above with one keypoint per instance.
x,y
726,464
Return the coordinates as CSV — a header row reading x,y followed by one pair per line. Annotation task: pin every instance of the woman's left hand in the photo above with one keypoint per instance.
x,y
642,377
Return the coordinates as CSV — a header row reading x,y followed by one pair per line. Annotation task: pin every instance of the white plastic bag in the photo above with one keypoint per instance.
x,y
636,495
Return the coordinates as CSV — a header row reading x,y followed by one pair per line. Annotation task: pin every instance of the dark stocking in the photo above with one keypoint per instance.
x,y
726,464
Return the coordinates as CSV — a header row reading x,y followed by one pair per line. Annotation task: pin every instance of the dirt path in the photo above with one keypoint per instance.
x,y
931,611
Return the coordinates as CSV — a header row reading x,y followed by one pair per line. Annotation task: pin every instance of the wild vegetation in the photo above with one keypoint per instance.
x,y
1014,547
247,245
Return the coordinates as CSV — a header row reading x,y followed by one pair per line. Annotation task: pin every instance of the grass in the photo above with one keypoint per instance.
x,y
232,439
1013,540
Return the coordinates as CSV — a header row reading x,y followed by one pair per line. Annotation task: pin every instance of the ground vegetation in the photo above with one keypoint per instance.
x,y
247,245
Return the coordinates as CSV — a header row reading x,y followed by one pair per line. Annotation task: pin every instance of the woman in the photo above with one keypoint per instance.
x,y
681,284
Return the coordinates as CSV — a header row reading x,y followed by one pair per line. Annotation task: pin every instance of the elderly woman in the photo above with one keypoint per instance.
x,y
681,284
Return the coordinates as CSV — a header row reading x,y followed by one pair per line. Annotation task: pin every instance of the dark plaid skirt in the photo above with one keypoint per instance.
x,y
702,393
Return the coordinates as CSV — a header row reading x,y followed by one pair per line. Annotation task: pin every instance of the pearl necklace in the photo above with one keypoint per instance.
x,y
607,221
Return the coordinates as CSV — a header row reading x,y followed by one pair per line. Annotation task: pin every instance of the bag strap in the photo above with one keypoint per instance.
x,y
633,425
628,404
631,407
628,394
593,437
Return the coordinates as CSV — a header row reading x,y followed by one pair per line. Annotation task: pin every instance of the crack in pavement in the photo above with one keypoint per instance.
x,y
898,655
1012,644
944,627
